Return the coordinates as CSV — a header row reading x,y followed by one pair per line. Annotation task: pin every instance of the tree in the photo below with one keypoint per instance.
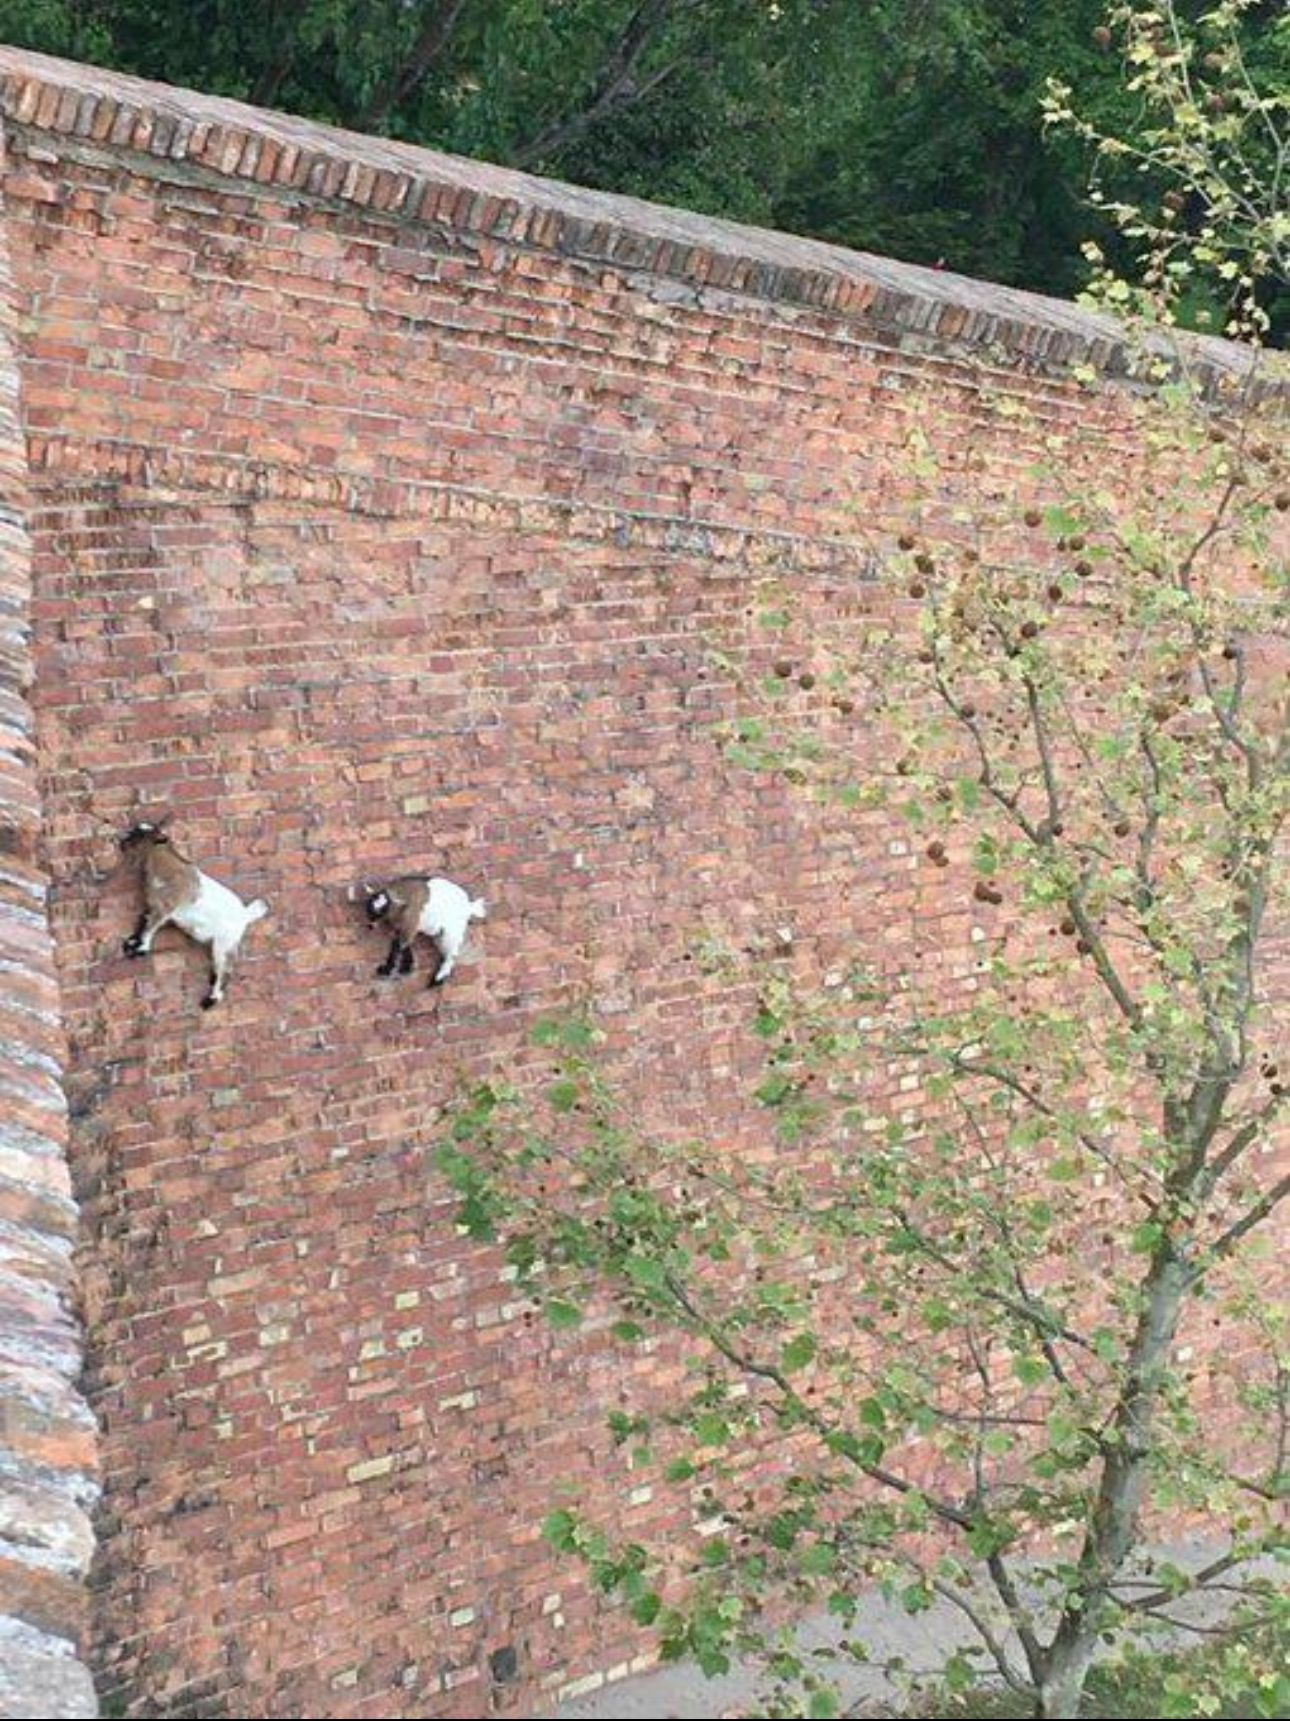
x,y
1199,188
962,1345
908,127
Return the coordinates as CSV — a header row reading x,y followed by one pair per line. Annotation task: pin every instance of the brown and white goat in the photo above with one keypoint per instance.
x,y
436,907
176,892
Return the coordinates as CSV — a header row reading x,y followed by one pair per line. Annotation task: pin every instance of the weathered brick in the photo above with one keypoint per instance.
x,y
363,543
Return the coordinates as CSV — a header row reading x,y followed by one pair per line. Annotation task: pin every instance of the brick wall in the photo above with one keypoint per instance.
x,y
385,509
47,1457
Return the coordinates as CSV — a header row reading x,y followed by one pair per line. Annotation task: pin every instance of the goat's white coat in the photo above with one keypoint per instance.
x,y
216,916
446,918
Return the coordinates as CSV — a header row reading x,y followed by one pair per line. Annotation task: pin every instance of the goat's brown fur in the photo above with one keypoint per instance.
x,y
170,879
407,904
176,892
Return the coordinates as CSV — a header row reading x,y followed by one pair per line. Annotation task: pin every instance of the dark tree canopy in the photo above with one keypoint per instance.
x,y
908,127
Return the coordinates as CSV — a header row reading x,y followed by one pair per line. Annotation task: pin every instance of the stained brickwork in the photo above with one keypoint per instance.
x,y
388,510
47,1448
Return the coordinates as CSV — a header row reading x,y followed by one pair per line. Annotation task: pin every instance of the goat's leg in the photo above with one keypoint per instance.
x,y
221,956
449,951
405,960
139,943
392,960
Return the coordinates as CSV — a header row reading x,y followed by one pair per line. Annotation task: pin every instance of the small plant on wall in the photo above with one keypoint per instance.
x,y
991,1299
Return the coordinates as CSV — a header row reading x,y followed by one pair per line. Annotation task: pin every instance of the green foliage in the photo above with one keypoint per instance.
x,y
1196,185
914,128
964,1315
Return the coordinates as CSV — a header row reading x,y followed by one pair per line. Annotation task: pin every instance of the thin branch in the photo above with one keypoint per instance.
x,y
1196,1580
1034,1314
1253,1216
994,1646
1001,1578
1007,1079
617,85
1240,1143
942,1509
1199,1630
1039,836
270,80
436,32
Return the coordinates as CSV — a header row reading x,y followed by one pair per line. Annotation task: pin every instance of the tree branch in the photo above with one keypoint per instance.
x,y
1249,1219
433,37
1240,1143
1196,1580
616,87
270,80
942,1509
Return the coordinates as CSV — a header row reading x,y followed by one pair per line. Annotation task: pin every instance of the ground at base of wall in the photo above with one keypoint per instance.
x,y
922,1643
40,1675
1137,1690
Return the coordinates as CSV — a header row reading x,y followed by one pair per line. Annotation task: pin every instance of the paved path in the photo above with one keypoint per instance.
x,y
923,1640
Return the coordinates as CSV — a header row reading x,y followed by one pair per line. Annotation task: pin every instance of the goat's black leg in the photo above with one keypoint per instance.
x,y
392,960
133,945
405,961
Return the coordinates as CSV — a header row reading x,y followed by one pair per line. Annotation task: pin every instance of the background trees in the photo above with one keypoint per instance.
x,y
908,127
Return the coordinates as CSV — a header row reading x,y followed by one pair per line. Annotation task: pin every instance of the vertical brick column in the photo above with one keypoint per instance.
x,y
47,1435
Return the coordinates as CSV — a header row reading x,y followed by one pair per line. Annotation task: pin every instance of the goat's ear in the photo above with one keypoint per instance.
x,y
159,824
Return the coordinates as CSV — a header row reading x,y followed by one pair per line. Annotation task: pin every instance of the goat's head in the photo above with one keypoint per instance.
x,y
145,833
376,901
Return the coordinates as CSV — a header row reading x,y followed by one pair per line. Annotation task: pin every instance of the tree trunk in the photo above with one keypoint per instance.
x,y
1113,1528
1063,1686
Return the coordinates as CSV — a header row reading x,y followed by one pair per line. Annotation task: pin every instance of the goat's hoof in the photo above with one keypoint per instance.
x,y
209,1003
436,980
384,971
405,963
132,947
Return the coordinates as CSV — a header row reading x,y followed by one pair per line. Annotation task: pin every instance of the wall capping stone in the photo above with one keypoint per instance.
x,y
917,308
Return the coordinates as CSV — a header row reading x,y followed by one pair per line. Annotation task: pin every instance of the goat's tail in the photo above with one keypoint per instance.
x,y
478,909
256,910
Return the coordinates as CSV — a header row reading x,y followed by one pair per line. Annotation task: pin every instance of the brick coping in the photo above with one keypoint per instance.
x,y
919,308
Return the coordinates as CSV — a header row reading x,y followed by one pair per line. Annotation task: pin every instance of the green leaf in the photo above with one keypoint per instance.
x,y
711,1429
568,1033
564,1095
797,1353
775,1090
1060,522
1145,1237
987,1537
1030,1370
645,1609
562,1314
560,1529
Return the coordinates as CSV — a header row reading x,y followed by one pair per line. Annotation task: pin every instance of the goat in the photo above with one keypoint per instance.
x,y
176,892
434,906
